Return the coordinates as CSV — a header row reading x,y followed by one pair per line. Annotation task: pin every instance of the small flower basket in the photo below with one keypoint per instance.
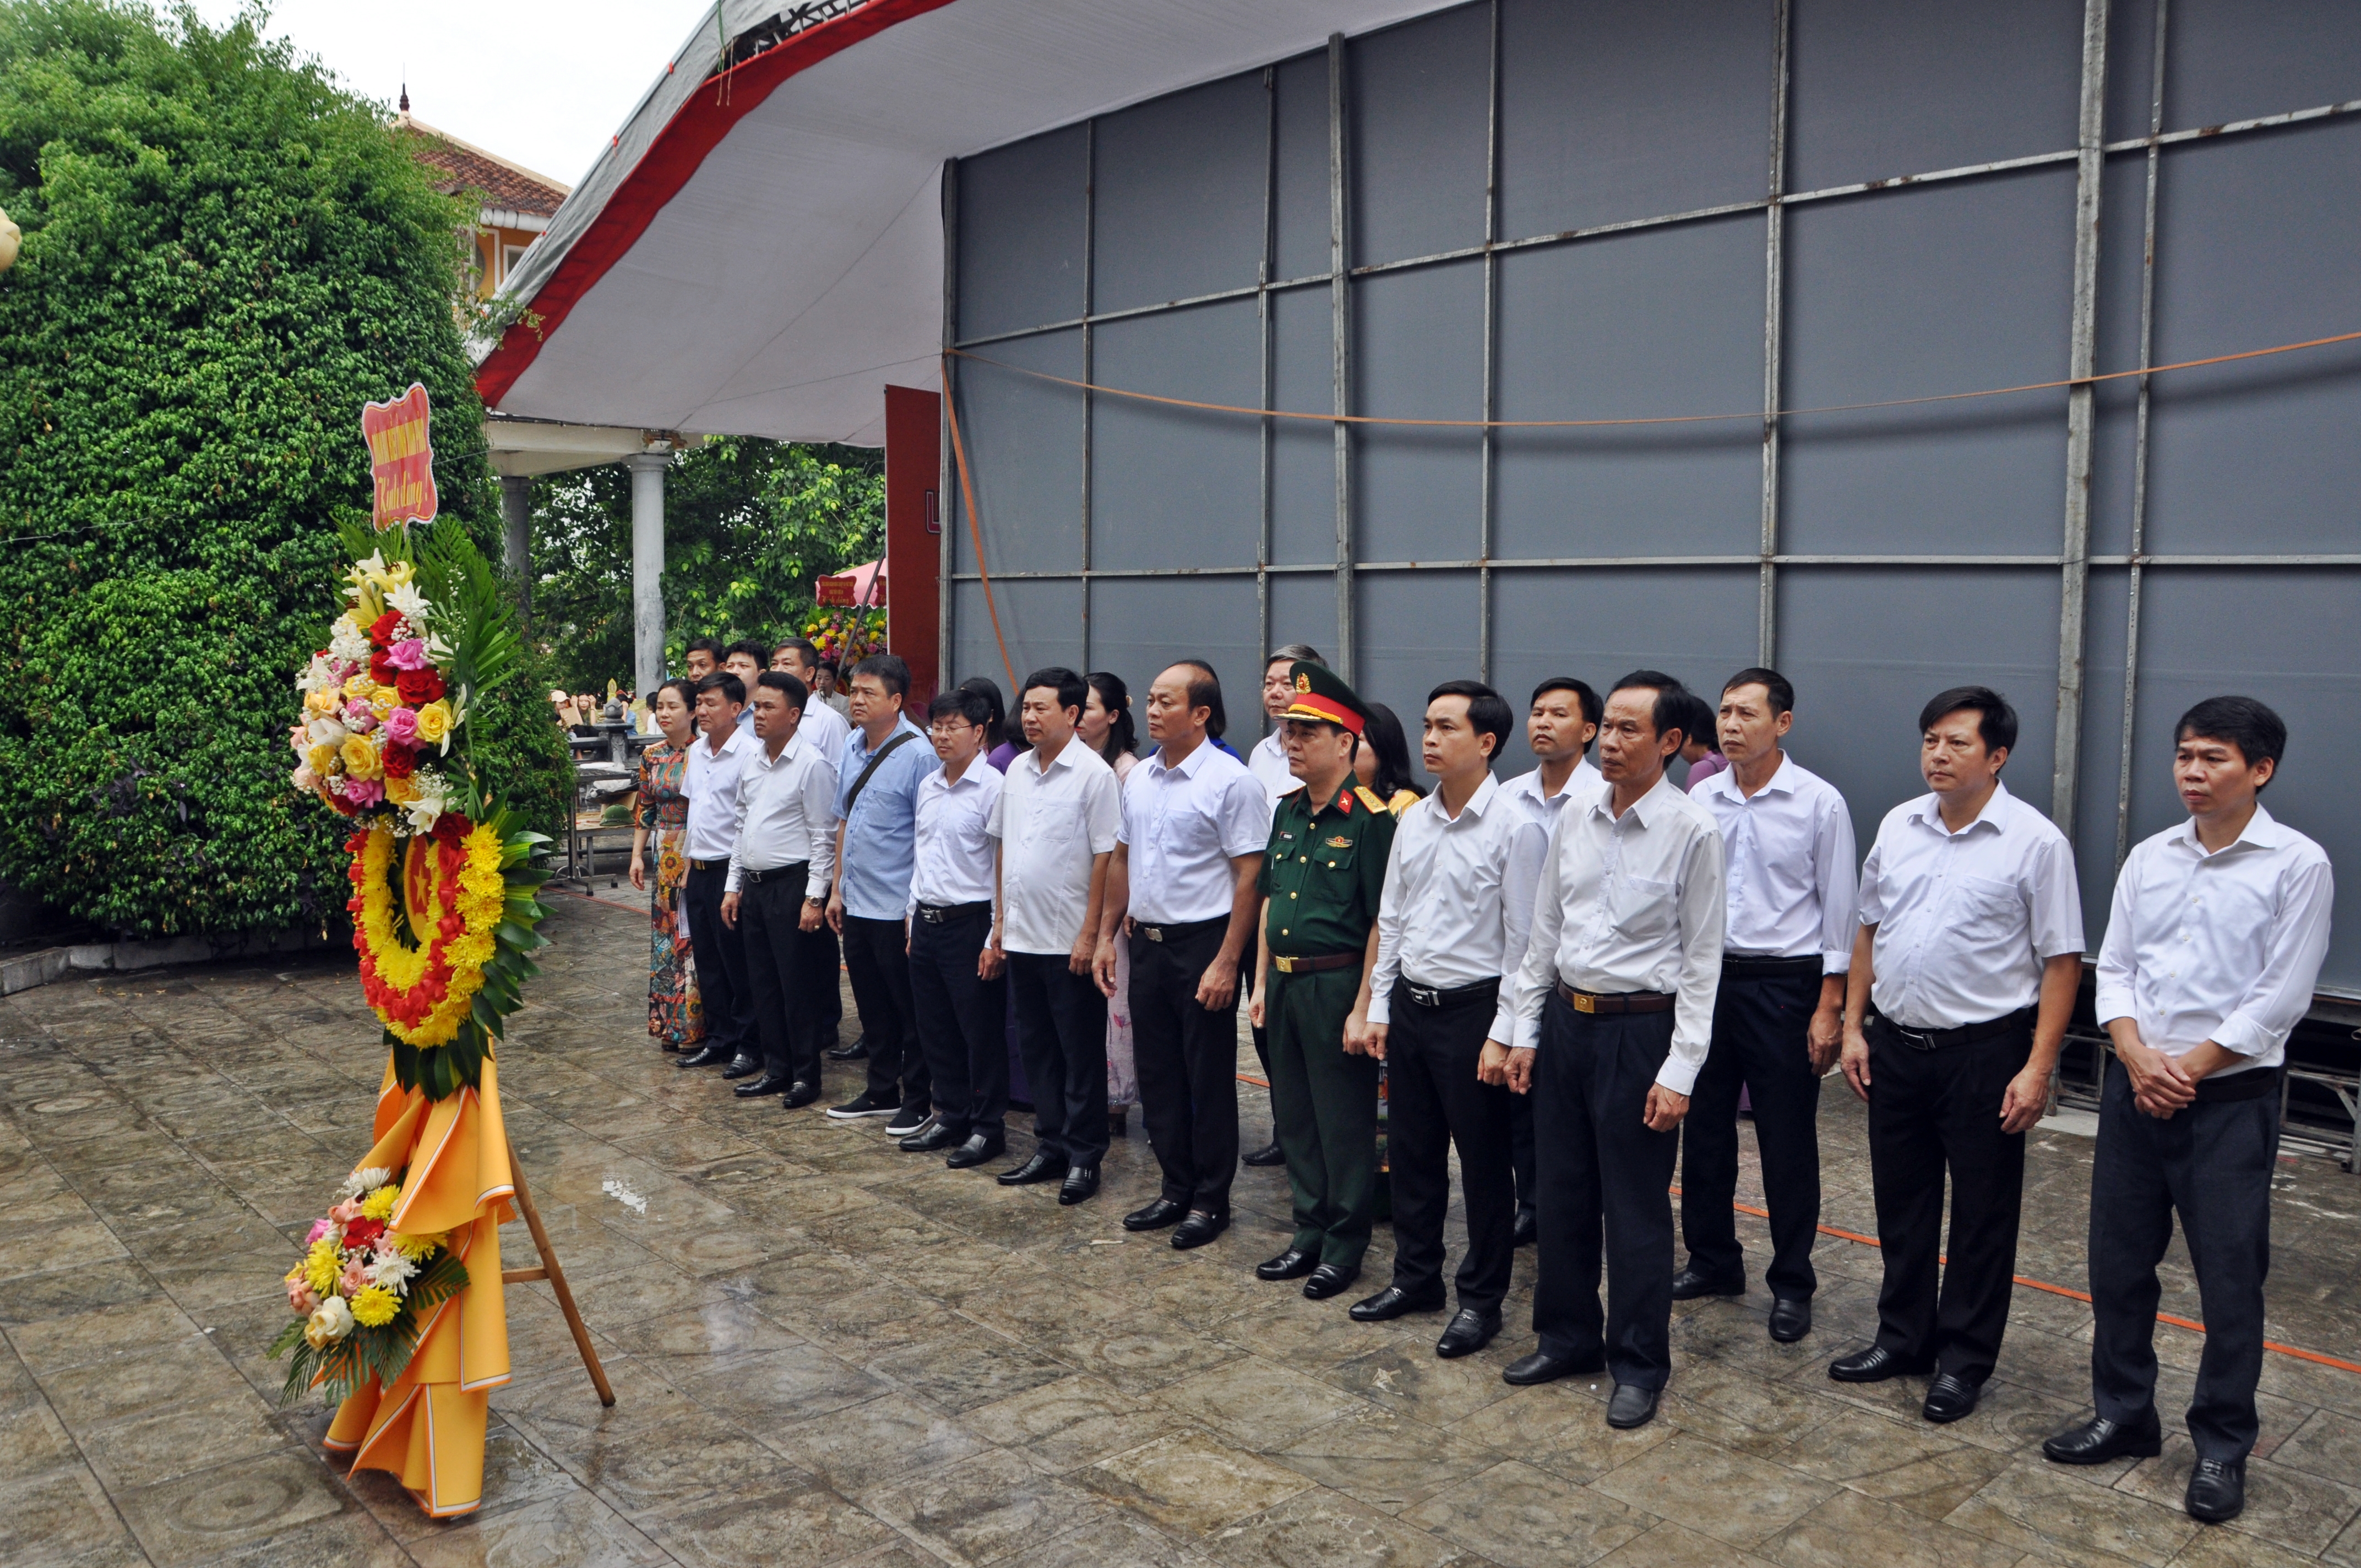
x,y
363,1295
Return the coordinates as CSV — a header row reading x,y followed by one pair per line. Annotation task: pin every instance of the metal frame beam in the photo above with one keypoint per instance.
x,y
1340,325
2074,571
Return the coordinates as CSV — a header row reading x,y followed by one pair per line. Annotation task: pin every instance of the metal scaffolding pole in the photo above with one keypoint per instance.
x,y
2074,574
1775,257
2139,441
1340,326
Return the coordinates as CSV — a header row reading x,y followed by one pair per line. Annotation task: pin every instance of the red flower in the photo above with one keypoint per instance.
x,y
381,668
361,1232
399,761
452,827
419,687
381,630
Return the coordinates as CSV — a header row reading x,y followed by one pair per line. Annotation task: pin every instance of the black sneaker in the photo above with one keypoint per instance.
x,y
909,1120
864,1104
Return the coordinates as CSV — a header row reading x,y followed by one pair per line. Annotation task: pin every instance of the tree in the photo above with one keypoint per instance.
x,y
224,256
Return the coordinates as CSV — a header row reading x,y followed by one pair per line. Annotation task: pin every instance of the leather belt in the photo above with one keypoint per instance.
x,y
1182,930
1316,964
1485,990
708,865
1619,1002
1744,968
750,877
944,914
1965,1034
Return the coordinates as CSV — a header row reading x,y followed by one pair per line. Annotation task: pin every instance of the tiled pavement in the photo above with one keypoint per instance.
x,y
830,1351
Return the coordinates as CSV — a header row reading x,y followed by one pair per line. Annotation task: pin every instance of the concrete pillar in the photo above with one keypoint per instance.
x,y
516,530
647,568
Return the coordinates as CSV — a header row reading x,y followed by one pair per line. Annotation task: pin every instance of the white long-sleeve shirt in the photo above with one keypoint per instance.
x,y
955,853
1630,903
2222,947
711,782
1788,864
1583,784
787,813
1458,901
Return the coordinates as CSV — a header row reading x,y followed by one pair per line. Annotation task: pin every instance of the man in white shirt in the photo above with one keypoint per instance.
x,y
1268,762
959,989
1614,1011
779,872
2213,943
1561,720
1056,821
1777,1018
744,659
1968,955
711,783
1195,823
824,726
1457,905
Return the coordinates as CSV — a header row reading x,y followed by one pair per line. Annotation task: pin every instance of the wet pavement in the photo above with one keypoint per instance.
x,y
827,1350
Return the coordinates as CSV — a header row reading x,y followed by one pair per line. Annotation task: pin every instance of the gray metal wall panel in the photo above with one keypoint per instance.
x,y
1418,354
1302,452
2116,345
1866,647
1299,194
1178,191
2102,743
2130,66
2256,240
1041,622
1610,111
1890,87
1024,440
1941,289
1684,334
1021,235
1419,107
1303,609
1418,629
1695,623
2259,634
1174,486
2233,60
1140,625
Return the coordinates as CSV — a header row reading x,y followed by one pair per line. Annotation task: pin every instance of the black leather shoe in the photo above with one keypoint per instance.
x,y
1392,1302
704,1055
800,1095
769,1083
1791,1318
2217,1490
927,1140
1543,1367
2099,1439
1082,1184
1528,1227
1632,1406
1155,1216
1875,1364
1951,1397
1692,1282
1270,1153
1198,1229
1329,1279
857,1051
975,1151
1288,1265
743,1067
1040,1168
1468,1331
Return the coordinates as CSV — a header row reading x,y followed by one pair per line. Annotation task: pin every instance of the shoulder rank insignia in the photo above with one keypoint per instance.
x,y
1340,842
1369,798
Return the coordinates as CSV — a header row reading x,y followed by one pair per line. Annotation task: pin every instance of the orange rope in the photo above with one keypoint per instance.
x,y
967,494
1659,419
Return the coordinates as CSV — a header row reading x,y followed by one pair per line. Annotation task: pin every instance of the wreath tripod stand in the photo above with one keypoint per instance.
x,y
550,1271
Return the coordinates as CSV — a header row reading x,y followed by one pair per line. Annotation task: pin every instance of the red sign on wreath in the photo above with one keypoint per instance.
x,y
401,458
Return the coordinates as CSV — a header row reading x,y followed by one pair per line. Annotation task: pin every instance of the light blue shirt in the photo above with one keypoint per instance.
x,y
881,834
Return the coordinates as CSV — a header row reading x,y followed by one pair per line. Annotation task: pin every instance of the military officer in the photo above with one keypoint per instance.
x,y
1322,876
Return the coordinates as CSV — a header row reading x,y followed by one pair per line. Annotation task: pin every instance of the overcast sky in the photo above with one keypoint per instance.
x,y
541,83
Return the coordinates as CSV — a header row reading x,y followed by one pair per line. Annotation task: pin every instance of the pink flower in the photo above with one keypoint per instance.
x,y
364,792
319,1228
359,718
355,1279
300,1299
344,1213
402,725
408,654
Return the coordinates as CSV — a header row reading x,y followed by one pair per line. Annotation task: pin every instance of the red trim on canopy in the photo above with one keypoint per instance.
x,y
672,159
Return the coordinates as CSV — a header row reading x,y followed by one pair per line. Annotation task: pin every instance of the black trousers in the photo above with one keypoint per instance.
x,y
828,1003
1187,1058
779,971
1435,1100
1604,1181
962,1025
880,971
1929,1113
1062,1032
720,953
2212,1166
1762,1027
1520,1150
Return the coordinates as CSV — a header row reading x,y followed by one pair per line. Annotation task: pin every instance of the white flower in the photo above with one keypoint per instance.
x,y
407,601
331,1320
326,733
318,675
366,1179
387,1268
348,643
433,799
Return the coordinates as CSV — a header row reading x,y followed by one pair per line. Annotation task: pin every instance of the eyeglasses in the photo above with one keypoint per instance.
x,y
950,728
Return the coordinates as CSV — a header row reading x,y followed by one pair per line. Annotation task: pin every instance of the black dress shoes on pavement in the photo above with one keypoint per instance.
x,y
1528,1227
704,1055
1288,1265
1632,1406
1951,1397
1040,1168
743,1067
1791,1318
1082,1184
1392,1302
1875,1364
1468,1331
2099,1439
926,1140
1155,1216
769,1083
2217,1491
975,1151
1198,1229
1329,1279
1543,1367
857,1051
799,1095
1270,1153
1692,1282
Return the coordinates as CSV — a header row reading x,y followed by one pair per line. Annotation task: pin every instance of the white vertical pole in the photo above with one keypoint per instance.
x,y
516,532
647,568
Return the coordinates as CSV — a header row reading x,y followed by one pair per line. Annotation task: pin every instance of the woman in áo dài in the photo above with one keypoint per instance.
x,y
675,1017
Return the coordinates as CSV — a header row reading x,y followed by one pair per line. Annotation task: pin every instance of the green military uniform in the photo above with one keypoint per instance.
x,y
1323,874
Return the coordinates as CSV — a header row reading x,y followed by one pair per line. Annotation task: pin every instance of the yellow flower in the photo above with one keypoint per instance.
x,y
361,759
360,687
380,1203
324,758
320,703
321,1266
434,721
374,1307
384,700
401,791
414,1248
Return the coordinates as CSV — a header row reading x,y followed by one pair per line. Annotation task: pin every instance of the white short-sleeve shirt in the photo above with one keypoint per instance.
x,y
1183,826
1051,822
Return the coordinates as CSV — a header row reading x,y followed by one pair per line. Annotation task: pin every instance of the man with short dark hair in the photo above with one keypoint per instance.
x,y
1965,973
959,988
825,727
1615,1008
745,660
704,657
1777,1014
711,780
778,868
830,687
2213,944
1458,903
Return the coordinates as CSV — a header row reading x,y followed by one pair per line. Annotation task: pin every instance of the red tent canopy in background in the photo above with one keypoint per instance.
x,y
865,584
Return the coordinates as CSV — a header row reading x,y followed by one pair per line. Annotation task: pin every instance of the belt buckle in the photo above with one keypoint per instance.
x,y
1283,965
1153,933
930,915
1583,1002
1424,995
